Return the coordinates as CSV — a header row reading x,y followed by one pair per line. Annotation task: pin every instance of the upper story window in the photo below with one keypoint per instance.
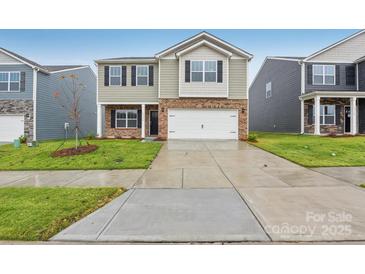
x,y
268,90
9,81
142,75
126,118
115,75
204,71
324,74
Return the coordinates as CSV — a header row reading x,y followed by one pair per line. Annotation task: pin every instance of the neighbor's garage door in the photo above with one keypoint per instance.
x,y
202,124
11,127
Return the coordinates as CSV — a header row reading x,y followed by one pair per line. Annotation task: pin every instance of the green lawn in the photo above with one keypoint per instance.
x,y
31,214
314,151
111,154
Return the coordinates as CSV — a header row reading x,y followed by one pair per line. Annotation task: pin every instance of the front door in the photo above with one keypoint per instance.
x,y
347,119
153,122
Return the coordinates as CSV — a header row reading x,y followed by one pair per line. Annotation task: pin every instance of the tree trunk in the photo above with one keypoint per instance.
x,y
77,137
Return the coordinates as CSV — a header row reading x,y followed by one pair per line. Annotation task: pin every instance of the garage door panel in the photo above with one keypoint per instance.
x,y
202,124
11,127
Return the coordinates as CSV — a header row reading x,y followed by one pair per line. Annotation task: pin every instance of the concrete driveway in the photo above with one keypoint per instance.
x,y
208,191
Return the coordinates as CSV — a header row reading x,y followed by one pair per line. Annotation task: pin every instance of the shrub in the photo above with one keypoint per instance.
x,y
90,136
252,137
23,139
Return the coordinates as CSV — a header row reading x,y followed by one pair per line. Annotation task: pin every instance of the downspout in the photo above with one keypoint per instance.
x,y
35,80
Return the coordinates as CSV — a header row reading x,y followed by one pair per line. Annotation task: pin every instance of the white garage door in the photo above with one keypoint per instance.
x,y
11,127
202,124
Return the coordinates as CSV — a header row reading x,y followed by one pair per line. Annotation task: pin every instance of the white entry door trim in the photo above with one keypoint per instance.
x,y
202,123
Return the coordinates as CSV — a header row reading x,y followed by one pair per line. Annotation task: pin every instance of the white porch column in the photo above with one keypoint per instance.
x,y
353,116
317,115
99,122
143,127
301,116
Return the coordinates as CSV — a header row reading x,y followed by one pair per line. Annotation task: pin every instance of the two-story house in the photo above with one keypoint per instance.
x,y
323,93
196,89
28,106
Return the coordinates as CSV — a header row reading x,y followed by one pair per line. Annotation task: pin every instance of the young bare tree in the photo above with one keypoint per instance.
x,y
69,98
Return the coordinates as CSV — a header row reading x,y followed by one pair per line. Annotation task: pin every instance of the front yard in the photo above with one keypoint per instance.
x,y
30,214
314,151
111,154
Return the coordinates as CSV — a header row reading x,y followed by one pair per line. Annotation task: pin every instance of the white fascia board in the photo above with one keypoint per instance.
x,y
203,43
22,61
333,45
159,54
333,94
128,103
126,61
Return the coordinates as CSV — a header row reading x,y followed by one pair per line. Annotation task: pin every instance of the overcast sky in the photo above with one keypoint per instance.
x,y
66,47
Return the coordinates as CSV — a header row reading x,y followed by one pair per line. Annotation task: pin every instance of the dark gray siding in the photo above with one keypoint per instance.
x,y
340,87
281,112
362,76
51,116
28,93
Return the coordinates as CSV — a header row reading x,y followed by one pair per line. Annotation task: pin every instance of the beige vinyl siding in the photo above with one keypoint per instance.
x,y
238,79
203,89
127,93
348,51
6,59
169,78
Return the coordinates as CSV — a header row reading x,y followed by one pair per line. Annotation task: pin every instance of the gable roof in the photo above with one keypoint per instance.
x,y
45,69
204,36
334,45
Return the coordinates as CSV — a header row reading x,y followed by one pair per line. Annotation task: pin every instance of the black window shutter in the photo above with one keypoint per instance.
x,y
22,81
106,76
338,114
133,76
139,118
350,75
112,118
337,74
124,75
187,71
310,74
220,71
150,75
310,114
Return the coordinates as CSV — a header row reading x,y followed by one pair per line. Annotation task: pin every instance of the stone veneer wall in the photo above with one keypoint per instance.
x,y
191,103
126,132
327,129
20,107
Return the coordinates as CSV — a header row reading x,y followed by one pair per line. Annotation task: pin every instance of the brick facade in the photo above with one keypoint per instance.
x,y
165,104
126,132
327,129
20,107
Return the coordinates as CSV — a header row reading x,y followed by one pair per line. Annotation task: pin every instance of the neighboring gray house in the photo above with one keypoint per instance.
x,y
323,93
27,103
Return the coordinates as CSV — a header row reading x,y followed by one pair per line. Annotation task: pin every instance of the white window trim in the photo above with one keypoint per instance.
x,y
267,90
8,72
120,75
126,117
322,118
324,75
148,75
203,71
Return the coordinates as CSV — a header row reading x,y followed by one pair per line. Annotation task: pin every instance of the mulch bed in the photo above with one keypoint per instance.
x,y
73,151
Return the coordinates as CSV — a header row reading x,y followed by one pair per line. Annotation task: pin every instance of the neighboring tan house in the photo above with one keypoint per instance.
x,y
27,103
323,93
196,89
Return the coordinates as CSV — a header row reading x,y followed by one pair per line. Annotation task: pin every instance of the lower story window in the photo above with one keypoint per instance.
x,y
327,115
126,118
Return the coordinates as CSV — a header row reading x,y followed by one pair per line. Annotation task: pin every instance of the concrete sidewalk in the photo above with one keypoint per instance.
x,y
71,178
353,175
